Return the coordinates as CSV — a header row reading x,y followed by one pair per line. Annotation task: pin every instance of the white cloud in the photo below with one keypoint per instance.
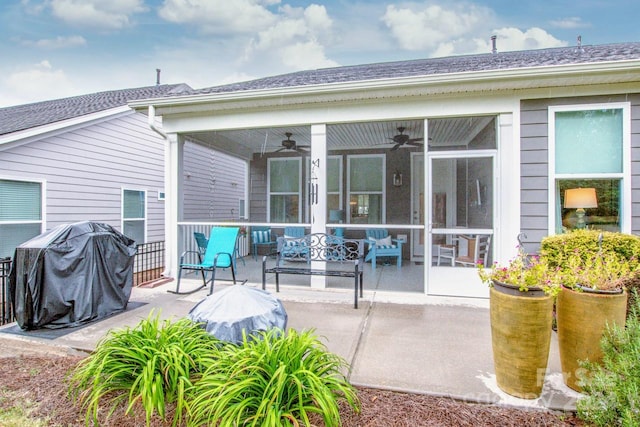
x,y
509,39
427,26
570,23
36,83
454,29
294,40
59,42
102,14
220,16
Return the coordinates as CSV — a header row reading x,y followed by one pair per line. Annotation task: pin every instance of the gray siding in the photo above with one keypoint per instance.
x,y
534,169
86,169
214,183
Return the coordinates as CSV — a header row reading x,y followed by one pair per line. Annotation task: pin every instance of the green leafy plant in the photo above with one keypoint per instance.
x,y
272,379
595,270
152,364
613,388
524,271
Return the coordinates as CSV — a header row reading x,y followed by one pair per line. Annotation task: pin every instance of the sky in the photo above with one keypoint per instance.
x,y
58,48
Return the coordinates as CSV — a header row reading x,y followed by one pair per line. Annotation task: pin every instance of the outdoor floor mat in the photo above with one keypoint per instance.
x,y
51,334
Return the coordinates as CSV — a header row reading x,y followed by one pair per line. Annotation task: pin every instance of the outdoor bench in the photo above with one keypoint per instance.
x,y
296,255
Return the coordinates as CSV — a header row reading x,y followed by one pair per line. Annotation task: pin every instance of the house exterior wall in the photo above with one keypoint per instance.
x,y
214,184
85,170
534,128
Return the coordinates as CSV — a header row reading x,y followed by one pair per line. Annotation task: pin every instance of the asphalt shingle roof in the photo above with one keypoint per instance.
x,y
27,116
435,66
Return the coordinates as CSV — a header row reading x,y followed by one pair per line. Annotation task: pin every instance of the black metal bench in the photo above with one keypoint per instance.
x,y
342,258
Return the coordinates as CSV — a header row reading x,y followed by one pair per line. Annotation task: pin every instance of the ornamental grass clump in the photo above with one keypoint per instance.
x,y
524,271
272,379
152,364
612,388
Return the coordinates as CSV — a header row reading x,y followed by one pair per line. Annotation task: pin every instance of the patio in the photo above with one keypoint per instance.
x,y
430,347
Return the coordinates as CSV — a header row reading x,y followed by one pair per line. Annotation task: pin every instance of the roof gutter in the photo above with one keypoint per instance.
x,y
467,77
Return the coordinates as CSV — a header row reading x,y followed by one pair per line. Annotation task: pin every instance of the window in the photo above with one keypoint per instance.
x,y
20,213
134,215
284,190
366,189
589,150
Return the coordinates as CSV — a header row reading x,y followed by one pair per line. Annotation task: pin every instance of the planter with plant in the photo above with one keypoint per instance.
x,y
521,310
593,268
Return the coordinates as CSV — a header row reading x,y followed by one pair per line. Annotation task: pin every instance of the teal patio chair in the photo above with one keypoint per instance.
x,y
220,253
262,236
294,248
202,242
382,245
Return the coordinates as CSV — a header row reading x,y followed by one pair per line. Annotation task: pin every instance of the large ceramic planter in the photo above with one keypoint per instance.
x,y
520,337
582,320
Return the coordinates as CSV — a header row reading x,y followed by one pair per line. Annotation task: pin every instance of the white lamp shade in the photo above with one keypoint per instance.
x,y
577,198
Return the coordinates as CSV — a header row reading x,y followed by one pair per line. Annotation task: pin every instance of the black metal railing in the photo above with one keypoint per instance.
x,y
148,262
5,304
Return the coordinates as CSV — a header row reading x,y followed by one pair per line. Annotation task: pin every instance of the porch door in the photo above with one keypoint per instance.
x,y
460,215
417,205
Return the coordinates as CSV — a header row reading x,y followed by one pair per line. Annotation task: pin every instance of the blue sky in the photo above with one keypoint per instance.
x,y
58,48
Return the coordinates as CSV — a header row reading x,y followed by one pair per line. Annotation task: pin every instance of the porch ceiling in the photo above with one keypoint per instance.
x,y
443,133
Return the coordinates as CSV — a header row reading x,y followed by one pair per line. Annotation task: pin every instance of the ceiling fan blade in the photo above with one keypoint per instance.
x,y
415,144
395,147
415,139
280,149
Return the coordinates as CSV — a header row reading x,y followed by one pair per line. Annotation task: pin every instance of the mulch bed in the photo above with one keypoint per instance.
x,y
41,380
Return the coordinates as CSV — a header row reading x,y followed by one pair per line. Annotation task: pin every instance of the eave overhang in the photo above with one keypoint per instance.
x,y
472,82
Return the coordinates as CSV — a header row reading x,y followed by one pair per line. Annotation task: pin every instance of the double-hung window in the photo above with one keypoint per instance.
x,y
366,174
134,214
21,213
284,189
589,153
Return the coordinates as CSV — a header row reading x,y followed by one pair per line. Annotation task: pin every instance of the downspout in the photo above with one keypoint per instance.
x,y
151,120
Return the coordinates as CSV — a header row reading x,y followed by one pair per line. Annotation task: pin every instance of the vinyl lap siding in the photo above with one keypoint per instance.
x,y
214,183
86,169
534,220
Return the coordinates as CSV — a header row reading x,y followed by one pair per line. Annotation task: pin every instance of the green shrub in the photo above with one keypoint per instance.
x,y
557,249
272,379
613,388
152,364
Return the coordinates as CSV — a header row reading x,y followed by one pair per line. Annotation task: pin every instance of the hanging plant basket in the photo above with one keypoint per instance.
x,y
583,316
520,337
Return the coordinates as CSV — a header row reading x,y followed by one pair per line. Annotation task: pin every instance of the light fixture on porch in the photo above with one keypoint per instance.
x,y
397,178
579,199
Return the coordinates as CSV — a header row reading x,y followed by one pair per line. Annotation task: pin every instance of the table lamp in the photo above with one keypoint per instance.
x,y
579,199
337,215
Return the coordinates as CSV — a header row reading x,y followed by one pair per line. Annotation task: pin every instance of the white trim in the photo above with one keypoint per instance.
x,y
625,175
35,133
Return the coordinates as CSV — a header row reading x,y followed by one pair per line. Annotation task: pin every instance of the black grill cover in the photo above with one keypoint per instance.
x,y
70,275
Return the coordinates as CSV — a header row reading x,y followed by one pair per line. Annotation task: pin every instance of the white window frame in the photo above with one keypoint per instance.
x,y
146,207
624,176
299,193
383,193
43,204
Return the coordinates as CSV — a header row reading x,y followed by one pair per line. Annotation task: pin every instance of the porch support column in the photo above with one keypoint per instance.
x,y
318,183
173,166
507,197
